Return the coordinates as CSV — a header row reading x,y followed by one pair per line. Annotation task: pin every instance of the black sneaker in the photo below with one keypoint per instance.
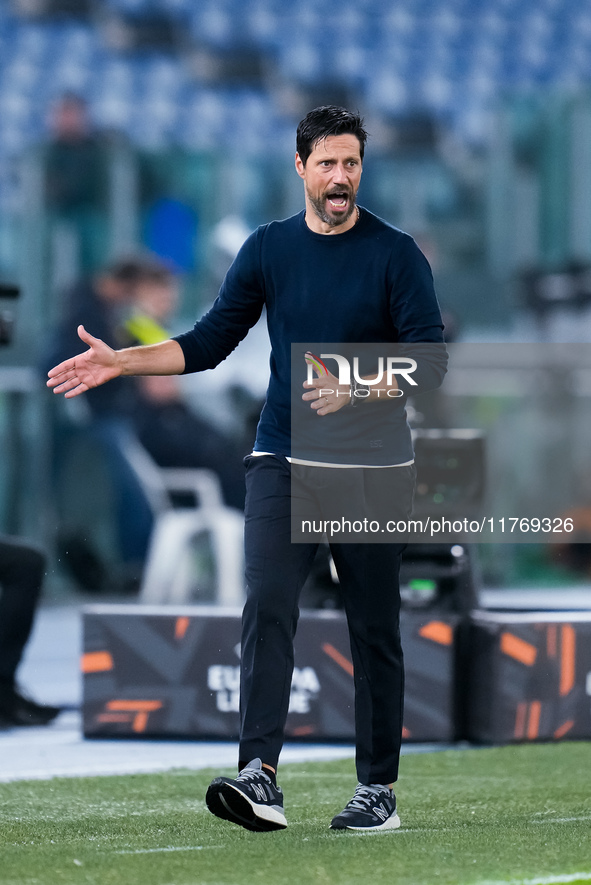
x,y
251,800
373,807
16,709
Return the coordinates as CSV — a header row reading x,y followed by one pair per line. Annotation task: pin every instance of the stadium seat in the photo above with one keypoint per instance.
x,y
451,58
168,575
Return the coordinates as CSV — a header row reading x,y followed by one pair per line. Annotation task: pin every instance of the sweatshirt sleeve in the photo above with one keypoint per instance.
x,y
235,311
416,316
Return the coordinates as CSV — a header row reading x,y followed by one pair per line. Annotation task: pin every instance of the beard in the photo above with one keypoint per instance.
x,y
319,206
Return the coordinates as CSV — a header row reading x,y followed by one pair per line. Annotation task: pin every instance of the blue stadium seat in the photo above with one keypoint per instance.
x,y
450,56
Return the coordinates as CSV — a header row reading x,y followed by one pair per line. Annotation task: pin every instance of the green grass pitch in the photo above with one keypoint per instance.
x,y
503,815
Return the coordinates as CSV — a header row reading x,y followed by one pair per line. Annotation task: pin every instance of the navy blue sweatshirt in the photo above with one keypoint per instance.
x,y
370,284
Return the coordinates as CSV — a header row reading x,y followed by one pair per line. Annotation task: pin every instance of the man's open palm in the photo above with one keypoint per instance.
x,y
80,373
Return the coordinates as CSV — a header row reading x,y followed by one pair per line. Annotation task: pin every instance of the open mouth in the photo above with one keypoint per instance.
x,y
338,201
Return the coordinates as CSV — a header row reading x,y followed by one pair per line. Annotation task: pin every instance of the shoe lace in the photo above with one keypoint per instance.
x,y
251,774
364,797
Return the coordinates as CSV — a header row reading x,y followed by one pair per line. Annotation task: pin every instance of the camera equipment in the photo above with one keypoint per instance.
x,y
451,482
450,472
8,293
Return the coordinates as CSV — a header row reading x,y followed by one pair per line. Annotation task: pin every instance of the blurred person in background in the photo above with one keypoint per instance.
x,y
22,568
333,272
102,301
128,303
174,434
75,163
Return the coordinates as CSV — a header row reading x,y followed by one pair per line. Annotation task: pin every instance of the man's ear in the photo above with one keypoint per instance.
x,y
300,167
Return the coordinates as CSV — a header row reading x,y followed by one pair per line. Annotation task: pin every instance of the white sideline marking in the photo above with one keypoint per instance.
x,y
546,880
168,848
562,820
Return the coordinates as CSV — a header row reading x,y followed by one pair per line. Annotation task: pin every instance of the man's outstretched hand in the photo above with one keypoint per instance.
x,y
95,366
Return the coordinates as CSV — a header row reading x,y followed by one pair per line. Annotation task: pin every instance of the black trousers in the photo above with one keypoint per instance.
x,y
22,567
276,570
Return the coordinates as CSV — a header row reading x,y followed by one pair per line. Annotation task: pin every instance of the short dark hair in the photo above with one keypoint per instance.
x,y
132,269
324,121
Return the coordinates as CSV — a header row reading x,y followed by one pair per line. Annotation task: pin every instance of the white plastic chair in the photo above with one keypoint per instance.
x,y
168,573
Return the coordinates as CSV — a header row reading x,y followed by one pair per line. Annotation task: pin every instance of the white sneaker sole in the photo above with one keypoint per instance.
x,y
261,812
229,803
391,824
